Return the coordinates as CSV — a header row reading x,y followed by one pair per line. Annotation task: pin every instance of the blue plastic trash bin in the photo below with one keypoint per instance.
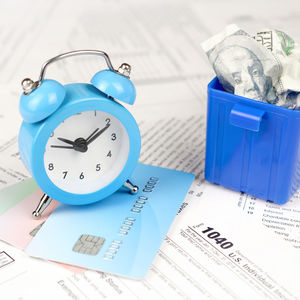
x,y
252,146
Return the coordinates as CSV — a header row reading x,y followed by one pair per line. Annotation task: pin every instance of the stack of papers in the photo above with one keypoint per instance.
x,y
222,244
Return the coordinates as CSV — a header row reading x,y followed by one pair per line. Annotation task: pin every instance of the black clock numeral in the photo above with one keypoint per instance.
x,y
98,167
113,136
65,174
81,176
50,167
107,121
109,153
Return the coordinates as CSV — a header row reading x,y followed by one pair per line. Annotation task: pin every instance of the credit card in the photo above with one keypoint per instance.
x,y
120,234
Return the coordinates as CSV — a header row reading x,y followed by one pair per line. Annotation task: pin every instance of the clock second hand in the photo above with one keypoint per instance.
x,y
72,143
64,147
82,144
79,145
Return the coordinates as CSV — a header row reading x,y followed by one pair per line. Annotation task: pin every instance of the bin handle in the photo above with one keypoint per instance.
x,y
246,117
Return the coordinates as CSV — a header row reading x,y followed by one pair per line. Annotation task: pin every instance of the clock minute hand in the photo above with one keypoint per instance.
x,y
90,136
97,135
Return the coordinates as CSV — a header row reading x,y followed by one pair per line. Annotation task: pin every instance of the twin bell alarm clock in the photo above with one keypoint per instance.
x,y
78,142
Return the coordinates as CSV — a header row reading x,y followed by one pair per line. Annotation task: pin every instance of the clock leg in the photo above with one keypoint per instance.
x,y
131,187
44,202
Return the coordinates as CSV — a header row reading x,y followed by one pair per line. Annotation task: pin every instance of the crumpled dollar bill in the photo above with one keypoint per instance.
x,y
265,67
288,52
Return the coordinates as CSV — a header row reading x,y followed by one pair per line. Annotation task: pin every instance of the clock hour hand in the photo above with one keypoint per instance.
x,y
66,141
78,145
97,134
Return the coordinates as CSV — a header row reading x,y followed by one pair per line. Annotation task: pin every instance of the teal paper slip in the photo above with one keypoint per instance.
x,y
120,234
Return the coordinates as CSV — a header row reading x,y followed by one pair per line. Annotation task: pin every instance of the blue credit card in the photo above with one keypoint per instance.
x,y
120,234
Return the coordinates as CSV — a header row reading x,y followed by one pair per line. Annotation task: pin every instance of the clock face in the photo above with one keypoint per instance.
x,y
86,152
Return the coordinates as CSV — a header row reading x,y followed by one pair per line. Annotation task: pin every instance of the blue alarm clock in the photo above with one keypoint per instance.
x,y
78,142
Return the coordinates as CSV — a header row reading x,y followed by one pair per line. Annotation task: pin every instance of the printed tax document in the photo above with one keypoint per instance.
x,y
209,255
161,40
33,278
280,220
190,265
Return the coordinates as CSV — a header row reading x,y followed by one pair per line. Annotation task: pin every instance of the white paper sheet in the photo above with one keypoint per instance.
x,y
22,277
161,40
283,220
207,255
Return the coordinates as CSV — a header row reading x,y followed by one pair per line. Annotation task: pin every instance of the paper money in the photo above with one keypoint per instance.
x,y
244,66
288,52
275,41
265,67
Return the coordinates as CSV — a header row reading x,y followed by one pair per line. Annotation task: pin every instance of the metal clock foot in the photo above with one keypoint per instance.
x,y
131,187
44,202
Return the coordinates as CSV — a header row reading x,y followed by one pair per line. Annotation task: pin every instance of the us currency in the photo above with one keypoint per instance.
x,y
288,52
244,66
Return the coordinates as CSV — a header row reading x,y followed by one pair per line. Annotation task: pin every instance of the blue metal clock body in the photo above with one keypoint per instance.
x,y
79,97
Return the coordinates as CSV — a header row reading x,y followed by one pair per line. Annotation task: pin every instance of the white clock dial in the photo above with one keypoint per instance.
x,y
86,152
